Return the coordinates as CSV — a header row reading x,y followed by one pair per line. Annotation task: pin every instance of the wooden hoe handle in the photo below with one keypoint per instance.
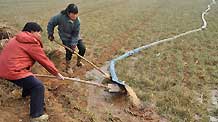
x,y
106,75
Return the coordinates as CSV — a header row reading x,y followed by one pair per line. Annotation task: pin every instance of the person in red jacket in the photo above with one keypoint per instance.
x,y
16,60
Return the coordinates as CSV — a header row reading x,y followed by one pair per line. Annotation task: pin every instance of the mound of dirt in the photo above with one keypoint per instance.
x,y
6,32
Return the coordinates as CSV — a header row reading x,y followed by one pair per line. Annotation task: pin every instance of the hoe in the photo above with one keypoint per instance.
x,y
112,88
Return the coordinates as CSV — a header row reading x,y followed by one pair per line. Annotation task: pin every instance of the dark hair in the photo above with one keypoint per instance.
x,y
71,8
32,26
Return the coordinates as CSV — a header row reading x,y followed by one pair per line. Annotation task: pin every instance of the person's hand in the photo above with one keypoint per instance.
x,y
73,47
51,37
59,76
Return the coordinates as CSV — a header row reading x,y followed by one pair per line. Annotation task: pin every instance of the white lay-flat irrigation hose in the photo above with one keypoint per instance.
x,y
129,53
188,32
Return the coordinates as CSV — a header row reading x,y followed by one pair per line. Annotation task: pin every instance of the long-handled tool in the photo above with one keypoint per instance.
x,y
106,75
116,87
109,87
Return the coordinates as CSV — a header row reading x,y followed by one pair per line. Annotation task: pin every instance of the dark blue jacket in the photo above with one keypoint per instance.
x,y
68,30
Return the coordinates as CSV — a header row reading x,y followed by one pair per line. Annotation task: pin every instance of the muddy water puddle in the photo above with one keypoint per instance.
x,y
107,106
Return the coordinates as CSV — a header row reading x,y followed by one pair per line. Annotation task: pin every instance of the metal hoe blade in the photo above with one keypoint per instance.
x,y
114,88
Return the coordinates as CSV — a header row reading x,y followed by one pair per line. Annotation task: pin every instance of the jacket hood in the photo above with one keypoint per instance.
x,y
27,37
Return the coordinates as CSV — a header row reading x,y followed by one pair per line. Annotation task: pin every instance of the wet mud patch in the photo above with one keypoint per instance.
x,y
115,107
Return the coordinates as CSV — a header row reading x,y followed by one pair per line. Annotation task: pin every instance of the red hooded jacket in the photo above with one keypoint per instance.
x,y
19,55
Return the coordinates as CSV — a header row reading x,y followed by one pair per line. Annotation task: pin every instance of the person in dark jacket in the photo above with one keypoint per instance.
x,y
16,60
68,24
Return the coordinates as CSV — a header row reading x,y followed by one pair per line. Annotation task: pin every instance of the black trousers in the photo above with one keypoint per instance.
x,y
81,47
35,89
